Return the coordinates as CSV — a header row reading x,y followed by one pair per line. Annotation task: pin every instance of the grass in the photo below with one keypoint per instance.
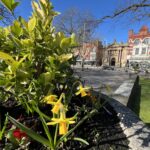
x,y
144,112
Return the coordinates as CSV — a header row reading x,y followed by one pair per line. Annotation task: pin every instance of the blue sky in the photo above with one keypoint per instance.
x,y
107,31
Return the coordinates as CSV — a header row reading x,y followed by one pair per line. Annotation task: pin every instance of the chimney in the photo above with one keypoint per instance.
x,y
130,33
144,30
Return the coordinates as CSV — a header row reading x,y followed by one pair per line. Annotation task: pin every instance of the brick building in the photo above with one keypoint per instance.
x,y
139,47
90,52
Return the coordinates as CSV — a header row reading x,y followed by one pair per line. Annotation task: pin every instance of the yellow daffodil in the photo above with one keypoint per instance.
x,y
82,91
63,123
50,99
57,106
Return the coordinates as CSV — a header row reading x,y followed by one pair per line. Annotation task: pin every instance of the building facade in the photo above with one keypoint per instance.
x,y
90,53
139,47
115,54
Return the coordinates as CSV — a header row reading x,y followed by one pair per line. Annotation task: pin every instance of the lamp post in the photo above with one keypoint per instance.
x,y
84,32
83,49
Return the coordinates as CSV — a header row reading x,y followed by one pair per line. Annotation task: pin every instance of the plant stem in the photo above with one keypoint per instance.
x,y
93,112
56,132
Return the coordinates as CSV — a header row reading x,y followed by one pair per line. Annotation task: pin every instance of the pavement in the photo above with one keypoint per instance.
x,y
115,83
121,84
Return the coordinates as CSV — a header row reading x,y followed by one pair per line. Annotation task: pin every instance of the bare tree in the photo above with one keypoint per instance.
x,y
75,21
135,10
5,16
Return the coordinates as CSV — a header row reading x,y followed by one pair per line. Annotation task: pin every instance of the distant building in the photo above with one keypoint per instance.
x,y
139,46
115,54
90,53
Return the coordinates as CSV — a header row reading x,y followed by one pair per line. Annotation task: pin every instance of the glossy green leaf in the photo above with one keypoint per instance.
x,y
65,43
73,40
6,57
16,41
16,28
14,5
27,43
31,24
10,4
65,57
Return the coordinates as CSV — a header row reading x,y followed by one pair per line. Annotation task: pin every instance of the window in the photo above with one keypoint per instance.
x,y
144,50
92,55
137,41
146,41
136,51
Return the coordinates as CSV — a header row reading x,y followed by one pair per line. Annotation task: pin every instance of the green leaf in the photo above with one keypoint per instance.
x,y
4,128
29,132
7,4
1,17
16,41
45,78
16,28
9,61
31,24
64,57
23,22
11,138
45,127
10,4
27,43
80,140
73,40
14,5
65,43
6,57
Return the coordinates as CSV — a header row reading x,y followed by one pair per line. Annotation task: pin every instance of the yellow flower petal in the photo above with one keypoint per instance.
x,y
83,93
57,107
77,93
50,99
63,128
71,122
51,123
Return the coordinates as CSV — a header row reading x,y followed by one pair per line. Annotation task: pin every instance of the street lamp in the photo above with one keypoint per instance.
x,y
84,32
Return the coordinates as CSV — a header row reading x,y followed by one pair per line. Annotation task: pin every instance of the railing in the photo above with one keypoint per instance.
x,y
140,58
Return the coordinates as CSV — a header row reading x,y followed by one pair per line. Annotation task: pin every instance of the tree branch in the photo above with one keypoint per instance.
x,y
133,8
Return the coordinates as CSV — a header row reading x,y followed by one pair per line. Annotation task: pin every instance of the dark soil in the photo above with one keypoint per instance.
x,y
102,131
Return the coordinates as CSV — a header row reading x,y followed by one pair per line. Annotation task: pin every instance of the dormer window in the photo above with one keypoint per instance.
x,y
136,42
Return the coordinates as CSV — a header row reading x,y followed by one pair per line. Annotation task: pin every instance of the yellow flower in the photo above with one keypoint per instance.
x,y
50,99
63,122
57,106
82,91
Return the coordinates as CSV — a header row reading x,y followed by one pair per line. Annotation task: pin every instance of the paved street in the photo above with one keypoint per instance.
x,y
101,78
118,84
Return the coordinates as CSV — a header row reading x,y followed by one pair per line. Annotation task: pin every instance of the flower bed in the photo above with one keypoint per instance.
x,y
43,106
101,131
